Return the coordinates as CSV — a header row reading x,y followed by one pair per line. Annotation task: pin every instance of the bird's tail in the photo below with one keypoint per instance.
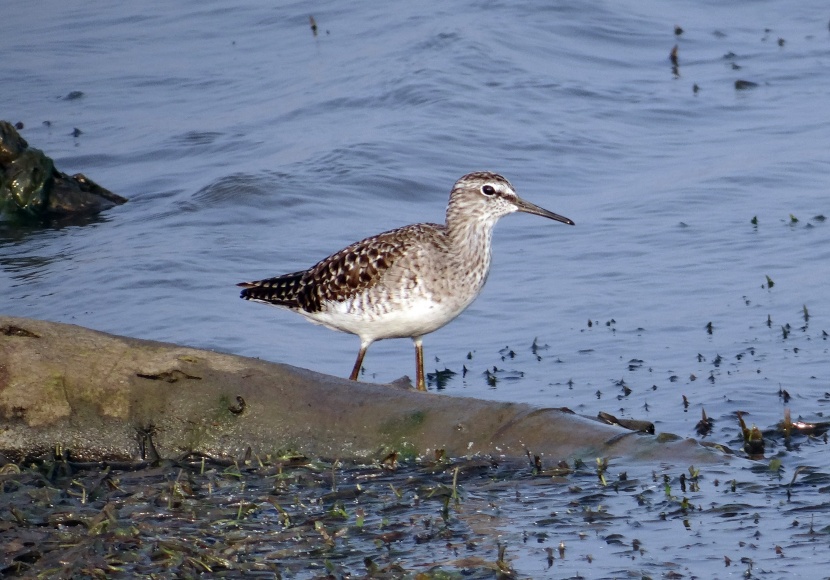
x,y
279,291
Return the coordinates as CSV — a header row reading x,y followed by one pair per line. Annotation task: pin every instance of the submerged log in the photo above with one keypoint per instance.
x,y
99,396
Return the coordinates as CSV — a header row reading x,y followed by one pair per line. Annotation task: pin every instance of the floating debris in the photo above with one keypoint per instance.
x,y
625,388
704,426
753,438
441,378
637,425
536,347
675,64
787,427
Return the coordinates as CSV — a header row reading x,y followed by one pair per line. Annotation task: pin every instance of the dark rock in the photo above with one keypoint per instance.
x,y
31,185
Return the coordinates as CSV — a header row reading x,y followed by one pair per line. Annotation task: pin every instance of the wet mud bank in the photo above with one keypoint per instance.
x,y
100,397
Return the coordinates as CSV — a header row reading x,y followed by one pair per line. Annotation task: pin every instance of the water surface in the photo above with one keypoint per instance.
x,y
250,147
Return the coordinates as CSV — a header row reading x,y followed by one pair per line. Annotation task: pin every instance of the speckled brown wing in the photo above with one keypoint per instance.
x,y
338,277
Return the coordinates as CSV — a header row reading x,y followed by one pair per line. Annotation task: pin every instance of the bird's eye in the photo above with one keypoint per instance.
x,y
488,190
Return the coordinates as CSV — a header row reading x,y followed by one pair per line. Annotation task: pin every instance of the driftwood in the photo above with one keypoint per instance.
x,y
98,396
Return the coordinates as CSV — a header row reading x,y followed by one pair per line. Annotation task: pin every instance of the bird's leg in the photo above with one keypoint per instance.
x,y
359,362
419,364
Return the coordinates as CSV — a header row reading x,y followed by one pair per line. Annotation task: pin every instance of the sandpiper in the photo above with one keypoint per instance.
x,y
407,282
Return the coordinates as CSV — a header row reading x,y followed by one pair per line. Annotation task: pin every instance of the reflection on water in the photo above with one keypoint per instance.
x,y
15,228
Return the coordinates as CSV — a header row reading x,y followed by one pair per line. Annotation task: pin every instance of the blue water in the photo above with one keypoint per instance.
x,y
250,147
